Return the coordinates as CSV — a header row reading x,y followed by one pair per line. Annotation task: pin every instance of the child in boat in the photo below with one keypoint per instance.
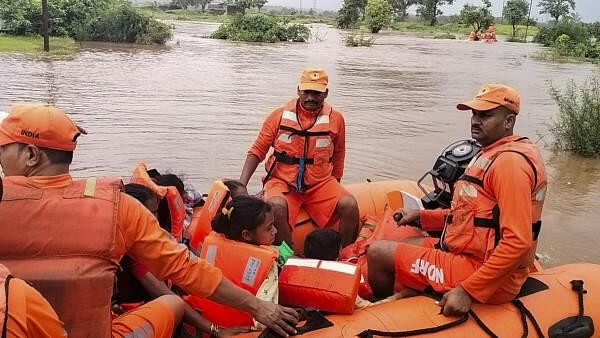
x,y
136,284
323,244
250,220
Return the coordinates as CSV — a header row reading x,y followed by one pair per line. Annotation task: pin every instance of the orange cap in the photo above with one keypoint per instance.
x,y
493,95
39,124
314,79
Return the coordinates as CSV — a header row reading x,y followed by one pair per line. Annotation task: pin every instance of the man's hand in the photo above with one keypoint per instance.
x,y
406,216
456,302
279,318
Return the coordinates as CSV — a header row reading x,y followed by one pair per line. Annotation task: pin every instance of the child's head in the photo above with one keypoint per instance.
x,y
246,219
143,194
236,188
324,244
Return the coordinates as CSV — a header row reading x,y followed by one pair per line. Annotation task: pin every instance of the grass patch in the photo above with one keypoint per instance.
x,y
577,127
359,39
34,45
182,14
456,28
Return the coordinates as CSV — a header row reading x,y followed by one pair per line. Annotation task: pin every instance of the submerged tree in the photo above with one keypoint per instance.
x,y
378,14
556,8
430,9
477,16
351,13
515,11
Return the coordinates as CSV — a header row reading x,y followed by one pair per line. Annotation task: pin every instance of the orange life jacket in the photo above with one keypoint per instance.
x,y
245,265
200,227
60,241
325,285
476,231
302,157
4,281
174,200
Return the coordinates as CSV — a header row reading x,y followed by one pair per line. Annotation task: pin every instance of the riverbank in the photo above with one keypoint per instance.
x,y
422,29
34,45
200,16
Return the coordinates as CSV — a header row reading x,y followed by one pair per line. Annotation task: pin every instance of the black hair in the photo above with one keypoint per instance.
x,y
323,244
236,188
163,213
241,213
54,156
170,180
140,192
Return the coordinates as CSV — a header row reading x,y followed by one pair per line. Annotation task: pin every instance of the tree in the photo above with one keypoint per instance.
x,y
378,14
401,7
556,8
515,11
477,16
203,3
351,13
260,3
429,9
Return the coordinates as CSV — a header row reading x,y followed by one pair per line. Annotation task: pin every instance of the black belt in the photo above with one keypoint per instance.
x,y
287,159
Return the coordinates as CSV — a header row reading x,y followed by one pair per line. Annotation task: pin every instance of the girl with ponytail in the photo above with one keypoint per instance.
x,y
246,219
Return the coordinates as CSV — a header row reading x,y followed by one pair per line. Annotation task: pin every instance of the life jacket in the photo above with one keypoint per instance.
x,y
473,227
174,200
4,282
302,156
325,285
245,265
60,241
374,228
200,227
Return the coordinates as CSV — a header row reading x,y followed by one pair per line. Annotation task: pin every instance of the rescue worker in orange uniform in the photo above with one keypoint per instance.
x,y
489,233
23,311
307,164
66,237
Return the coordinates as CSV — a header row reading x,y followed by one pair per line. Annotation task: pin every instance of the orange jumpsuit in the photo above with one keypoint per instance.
x,y
321,198
140,236
495,273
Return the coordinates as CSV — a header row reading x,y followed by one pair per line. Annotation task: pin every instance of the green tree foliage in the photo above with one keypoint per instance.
x,y
430,9
261,28
102,20
378,14
556,8
401,7
351,13
477,17
577,127
261,3
515,11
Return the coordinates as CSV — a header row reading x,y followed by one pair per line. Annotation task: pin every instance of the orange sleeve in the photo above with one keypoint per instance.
x,y
433,220
148,244
30,314
511,180
266,136
339,145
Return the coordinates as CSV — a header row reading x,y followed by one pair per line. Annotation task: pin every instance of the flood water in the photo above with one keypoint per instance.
x,y
195,106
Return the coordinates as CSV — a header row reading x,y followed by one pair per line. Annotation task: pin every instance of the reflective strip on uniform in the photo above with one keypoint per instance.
x,y
322,119
468,190
323,142
144,331
90,187
540,196
288,115
286,138
482,162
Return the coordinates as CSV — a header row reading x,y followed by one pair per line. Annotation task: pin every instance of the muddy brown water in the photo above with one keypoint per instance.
x,y
195,106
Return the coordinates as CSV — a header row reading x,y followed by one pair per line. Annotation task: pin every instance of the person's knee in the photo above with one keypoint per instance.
x,y
380,255
347,204
175,304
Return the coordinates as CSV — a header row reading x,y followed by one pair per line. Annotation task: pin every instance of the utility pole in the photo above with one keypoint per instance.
x,y
528,17
502,13
300,6
45,25
314,5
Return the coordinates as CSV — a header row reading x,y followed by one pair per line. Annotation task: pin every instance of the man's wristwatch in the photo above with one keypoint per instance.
x,y
214,330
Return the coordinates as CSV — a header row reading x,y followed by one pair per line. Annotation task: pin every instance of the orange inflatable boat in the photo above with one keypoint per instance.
x,y
372,199
563,301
